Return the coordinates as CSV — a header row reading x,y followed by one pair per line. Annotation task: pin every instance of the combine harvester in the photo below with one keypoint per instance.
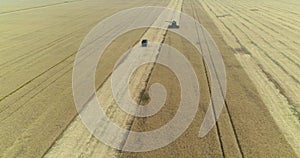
x,y
173,25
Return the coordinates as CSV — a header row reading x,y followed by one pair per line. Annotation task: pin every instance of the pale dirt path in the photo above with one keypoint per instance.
x,y
265,35
87,145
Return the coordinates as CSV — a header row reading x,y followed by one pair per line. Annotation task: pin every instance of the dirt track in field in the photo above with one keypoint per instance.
x,y
38,116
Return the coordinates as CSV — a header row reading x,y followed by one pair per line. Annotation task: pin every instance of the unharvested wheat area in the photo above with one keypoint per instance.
x,y
259,42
